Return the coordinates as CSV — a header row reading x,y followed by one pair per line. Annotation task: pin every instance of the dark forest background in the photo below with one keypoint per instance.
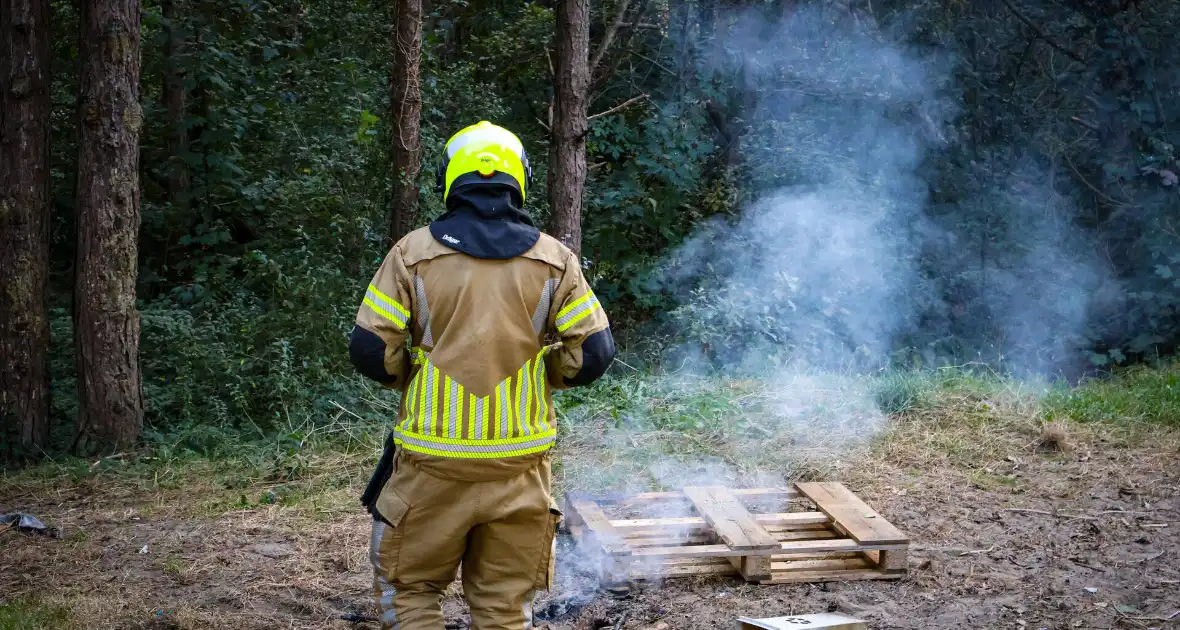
x,y
1026,148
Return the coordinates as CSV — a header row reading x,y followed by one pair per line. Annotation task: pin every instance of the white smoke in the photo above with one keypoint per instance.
x,y
824,281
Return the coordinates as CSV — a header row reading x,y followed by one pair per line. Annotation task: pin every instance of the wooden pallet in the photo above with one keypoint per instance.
x,y
727,531
826,621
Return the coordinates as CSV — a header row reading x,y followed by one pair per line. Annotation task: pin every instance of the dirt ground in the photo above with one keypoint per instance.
x,y
1084,539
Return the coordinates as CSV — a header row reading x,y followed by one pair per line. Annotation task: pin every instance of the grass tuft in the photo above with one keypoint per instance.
x,y
1054,438
29,614
1137,394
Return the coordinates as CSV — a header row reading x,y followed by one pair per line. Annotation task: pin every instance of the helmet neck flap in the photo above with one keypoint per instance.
x,y
486,221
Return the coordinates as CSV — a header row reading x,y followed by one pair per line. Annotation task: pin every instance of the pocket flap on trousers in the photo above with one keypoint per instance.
x,y
391,507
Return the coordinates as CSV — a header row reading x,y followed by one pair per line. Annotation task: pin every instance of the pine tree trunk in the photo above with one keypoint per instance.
x,y
106,323
567,154
24,227
406,99
175,98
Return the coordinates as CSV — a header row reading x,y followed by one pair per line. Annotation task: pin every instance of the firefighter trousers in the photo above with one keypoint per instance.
x,y
501,532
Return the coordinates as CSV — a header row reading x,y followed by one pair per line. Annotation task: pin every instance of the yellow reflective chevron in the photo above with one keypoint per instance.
x,y
576,311
475,449
387,307
443,419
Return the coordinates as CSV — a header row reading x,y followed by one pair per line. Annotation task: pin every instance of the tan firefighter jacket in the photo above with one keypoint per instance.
x,y
488,341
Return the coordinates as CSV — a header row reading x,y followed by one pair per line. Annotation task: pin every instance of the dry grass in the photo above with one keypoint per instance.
x,y
1054,437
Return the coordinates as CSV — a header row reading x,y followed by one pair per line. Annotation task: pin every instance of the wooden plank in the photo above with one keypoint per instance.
x,y
836,544
689,562
639,543
730,519
830,576
652,534
765,492
806,534
781,520
588,513
672,567
693,551
892,560
786,548
851,515
753,568
829,555
834,564
821,621
684,571
645,497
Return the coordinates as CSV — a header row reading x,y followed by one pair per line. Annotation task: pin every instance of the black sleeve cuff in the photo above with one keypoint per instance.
x,y
598,352
367,352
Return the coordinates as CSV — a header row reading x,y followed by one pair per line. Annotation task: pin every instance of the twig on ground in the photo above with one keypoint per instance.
x,y
1029,511
1065,516
619,361
976,551
347,411
1088,566
102,459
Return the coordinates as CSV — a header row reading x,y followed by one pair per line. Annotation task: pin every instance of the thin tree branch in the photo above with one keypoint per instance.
x,y
608,39
1105,197
600,76
1041,33
655,63
618,107
529,104
1085,123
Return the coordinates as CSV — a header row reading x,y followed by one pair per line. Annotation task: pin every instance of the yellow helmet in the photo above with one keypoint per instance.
x,y
483,153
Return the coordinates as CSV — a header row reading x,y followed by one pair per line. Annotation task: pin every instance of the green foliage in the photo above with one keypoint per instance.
x,y
26,614
1136,394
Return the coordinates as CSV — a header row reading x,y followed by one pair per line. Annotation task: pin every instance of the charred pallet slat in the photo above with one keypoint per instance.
x,y
712,530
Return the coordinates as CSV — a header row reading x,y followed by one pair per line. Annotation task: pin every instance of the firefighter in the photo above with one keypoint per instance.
x,y
476,319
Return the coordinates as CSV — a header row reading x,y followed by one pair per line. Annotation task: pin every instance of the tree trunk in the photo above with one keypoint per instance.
x,y
567,153
406,98
106,323
24,227
175,97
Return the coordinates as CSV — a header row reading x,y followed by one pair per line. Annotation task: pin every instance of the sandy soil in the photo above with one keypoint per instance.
x,y
1085,539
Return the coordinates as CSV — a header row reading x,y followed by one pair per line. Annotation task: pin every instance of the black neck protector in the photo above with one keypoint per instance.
x,y
486,221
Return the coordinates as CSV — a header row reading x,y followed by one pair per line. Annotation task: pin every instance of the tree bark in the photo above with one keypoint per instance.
x,y
567,153
175,98
106,323
24,227
406,99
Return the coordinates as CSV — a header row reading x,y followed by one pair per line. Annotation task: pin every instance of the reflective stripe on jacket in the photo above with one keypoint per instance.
x,y
487,342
